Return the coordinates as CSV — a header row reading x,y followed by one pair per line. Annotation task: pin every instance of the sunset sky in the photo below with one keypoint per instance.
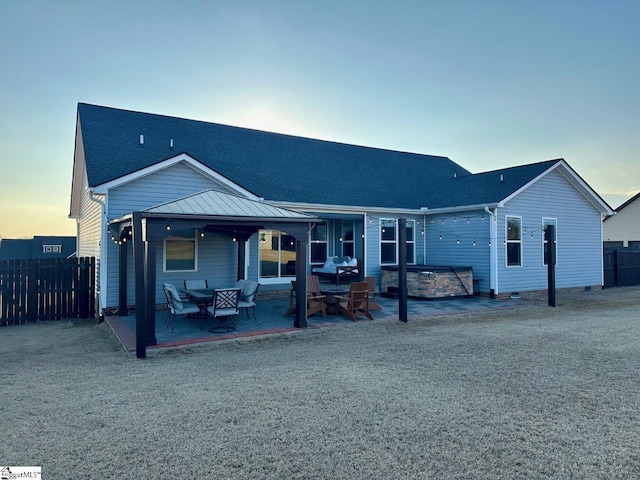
x,y
490,84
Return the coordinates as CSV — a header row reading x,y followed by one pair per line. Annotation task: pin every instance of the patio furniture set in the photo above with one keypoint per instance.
x,y
356,301
199,303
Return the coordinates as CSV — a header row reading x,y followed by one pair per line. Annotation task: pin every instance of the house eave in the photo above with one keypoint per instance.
x,y
329,208
460,208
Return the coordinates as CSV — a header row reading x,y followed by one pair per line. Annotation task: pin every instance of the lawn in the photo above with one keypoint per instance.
x,y
533,392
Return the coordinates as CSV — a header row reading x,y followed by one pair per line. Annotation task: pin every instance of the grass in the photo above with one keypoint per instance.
x,y
533,392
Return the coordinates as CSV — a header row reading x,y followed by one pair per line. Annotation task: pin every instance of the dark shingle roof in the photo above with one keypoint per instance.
x,y
287,168
487,187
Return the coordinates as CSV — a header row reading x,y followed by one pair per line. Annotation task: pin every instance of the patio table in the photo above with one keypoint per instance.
x,y
330,299
202,297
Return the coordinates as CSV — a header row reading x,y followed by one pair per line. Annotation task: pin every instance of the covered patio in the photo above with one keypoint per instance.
x,y
270,320
233,217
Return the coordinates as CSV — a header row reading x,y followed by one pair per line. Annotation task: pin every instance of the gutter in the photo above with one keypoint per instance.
x,y
103,243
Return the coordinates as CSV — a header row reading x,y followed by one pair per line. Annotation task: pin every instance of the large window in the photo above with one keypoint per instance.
x,y
347,238
388,242
277,254
514,241
180,250
545,223
411,241
318,244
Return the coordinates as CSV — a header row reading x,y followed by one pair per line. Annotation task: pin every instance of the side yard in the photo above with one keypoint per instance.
x,y
531,392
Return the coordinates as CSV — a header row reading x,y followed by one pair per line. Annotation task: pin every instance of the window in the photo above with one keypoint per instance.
x,y
514,241
348,228
318,244
180,251
388,242
277,254
545,223
51,248
411,241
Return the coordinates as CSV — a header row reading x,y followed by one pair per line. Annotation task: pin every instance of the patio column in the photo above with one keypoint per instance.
x,y
242,244
301,283
138,271
402,269
122,277
150,293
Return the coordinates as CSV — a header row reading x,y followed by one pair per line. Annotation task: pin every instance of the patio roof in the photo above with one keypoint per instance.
x,y
223,204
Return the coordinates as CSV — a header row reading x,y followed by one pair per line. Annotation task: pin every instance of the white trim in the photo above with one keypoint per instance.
x,y
169,162
381,241
355,209
506,242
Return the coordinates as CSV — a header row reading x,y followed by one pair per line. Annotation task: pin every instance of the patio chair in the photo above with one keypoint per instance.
x,y
248,292
196,284
315,301
223,308
357,303
373,294
176,306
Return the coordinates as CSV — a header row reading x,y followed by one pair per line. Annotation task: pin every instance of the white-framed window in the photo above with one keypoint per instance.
x,y
411,241
388,241
181,251
513,244
277,254
318,244
51,248
347,238
545,247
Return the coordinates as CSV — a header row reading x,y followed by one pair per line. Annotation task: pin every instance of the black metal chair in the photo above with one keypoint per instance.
x,y
176,306
224,307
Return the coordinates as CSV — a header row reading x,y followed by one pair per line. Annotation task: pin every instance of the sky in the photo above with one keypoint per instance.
x,y
489,84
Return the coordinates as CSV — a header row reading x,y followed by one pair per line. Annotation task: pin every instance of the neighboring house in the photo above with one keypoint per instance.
x,y
622,230
214,201
37,247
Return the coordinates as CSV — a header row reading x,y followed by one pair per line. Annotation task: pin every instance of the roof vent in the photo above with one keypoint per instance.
x,y
455,174
141,139
501,178
171,143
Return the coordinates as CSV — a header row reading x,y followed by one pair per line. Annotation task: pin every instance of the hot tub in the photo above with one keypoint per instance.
x,y
430,281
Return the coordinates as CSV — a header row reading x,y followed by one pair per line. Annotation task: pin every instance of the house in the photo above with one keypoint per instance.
x,y
622,230
220,202
37,247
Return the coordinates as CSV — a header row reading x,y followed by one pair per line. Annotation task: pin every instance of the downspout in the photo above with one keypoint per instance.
x,y
424,239
103,248
493,250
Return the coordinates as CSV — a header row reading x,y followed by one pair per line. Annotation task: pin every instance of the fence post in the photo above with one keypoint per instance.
x,y
32,290
83,288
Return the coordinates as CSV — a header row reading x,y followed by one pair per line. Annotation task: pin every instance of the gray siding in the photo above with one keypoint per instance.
x,y
579,233
467,228
216,264
163,186
90,229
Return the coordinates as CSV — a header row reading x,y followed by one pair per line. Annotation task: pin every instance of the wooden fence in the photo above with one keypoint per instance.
x,y
47,289
621,269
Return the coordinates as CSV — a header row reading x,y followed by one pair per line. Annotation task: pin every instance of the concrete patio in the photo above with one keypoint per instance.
x,y
271,320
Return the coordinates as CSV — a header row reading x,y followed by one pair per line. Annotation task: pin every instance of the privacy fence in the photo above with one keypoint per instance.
x,y
47,289
621,269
